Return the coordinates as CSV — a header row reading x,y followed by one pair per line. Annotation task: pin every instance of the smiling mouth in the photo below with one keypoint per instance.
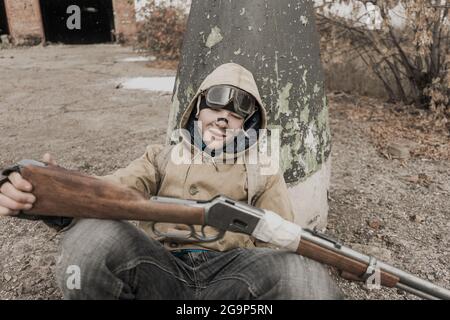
x,y
217,133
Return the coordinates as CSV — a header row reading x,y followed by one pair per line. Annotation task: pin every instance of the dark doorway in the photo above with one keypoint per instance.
x,y
97,21
3,22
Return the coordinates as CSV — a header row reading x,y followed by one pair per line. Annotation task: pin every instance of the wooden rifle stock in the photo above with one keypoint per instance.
x,y
61,192
351,269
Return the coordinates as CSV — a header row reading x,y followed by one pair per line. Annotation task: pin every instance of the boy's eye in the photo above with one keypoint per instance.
x,y
235,115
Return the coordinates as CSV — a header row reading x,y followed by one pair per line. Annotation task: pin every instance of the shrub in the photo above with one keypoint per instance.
x,y
161,33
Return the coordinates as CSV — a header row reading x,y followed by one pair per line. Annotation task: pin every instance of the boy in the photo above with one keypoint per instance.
x,y
119,261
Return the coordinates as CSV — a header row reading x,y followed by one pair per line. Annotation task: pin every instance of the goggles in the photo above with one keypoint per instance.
x,y
231,98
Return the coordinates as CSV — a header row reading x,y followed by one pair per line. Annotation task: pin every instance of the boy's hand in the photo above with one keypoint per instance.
x,y
16,194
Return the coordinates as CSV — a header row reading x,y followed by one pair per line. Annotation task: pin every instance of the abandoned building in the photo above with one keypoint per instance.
x,y
34,21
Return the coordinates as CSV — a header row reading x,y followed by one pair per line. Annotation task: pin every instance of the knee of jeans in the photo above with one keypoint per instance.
x,y
268,271
92,242
290,276
309,279
93,248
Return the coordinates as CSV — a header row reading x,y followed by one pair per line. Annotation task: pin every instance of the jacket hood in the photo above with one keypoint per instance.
x,y
227,74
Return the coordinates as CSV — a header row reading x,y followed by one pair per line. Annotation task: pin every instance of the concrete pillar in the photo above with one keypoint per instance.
x,y
278,42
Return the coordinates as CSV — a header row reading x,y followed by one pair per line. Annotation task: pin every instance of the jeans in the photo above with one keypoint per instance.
x,y
116,260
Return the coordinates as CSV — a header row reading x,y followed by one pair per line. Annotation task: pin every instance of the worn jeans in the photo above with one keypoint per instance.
x,y
116,260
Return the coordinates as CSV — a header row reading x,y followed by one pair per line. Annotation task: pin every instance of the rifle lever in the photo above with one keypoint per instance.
x,y
191,237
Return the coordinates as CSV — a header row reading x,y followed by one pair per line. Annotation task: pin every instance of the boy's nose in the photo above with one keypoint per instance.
x,y
222,122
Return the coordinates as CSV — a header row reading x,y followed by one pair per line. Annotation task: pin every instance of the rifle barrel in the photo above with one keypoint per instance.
x,y
405,281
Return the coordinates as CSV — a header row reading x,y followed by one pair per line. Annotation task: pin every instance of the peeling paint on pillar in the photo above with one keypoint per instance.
x,y
214,37
278,42
283,101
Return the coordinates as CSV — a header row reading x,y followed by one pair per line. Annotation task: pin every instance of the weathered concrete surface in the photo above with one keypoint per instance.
x,y
310,198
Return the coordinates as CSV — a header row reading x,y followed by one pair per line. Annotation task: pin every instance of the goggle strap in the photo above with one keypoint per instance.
x,y
198,105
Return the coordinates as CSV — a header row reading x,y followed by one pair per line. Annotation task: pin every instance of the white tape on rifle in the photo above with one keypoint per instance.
x,y
275,230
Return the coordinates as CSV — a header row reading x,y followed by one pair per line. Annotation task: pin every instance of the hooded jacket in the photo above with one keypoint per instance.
x,y
213,176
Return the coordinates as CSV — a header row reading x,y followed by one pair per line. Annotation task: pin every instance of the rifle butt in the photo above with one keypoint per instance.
x,y
62,192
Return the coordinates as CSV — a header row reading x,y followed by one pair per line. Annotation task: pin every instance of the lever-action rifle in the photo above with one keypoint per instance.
x,y
60,192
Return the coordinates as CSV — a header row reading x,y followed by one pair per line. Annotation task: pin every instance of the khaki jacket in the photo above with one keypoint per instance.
x,y
210,178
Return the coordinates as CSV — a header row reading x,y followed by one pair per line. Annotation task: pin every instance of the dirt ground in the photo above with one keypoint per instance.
x,y
65,100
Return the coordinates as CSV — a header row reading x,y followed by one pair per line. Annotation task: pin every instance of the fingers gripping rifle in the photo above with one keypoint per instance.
x,y
59,191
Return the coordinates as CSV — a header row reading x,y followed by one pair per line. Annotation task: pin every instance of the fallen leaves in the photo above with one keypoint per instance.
x,y
398,131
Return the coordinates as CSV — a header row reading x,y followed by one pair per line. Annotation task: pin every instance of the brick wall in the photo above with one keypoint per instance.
x,y
125,20
25,23
24,20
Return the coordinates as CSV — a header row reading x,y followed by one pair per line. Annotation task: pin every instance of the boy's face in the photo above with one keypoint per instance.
x,y
219,126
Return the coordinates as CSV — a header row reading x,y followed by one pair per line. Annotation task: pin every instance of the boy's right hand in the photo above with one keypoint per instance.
x,y
16,194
